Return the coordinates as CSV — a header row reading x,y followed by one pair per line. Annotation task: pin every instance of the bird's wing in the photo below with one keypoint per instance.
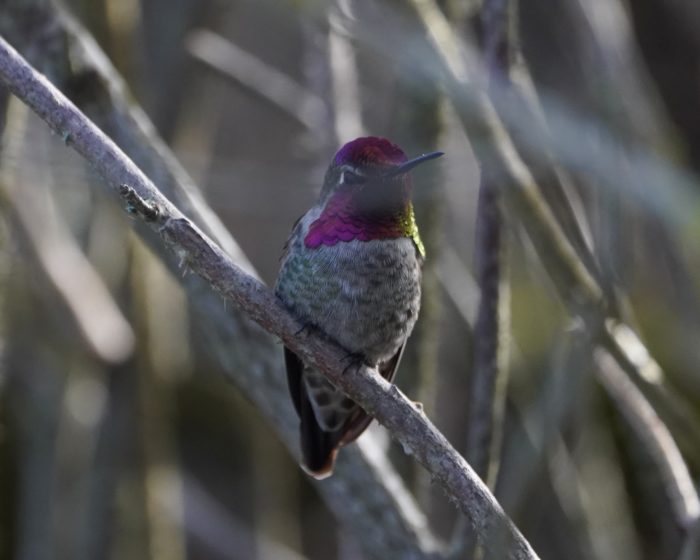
x,y
290,240
295,368
359,421
318,447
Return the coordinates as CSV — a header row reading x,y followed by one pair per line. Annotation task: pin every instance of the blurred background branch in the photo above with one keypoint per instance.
x,y
265,82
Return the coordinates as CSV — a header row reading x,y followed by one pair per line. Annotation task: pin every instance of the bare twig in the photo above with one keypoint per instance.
x,y
378,397
642,418
488,377
691,544
549,416
269,84
459,285
366,464
487,380
533,143
641,367
345,82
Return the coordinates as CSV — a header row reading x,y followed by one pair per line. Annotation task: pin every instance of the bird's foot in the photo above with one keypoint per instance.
x,y
306,327
355,360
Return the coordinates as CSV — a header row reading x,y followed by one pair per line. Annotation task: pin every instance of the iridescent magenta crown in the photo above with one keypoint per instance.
x,y
370,150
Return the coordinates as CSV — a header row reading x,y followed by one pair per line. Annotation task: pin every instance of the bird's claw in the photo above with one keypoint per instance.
x,y
354,359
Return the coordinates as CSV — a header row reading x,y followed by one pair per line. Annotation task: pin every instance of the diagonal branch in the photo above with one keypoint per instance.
x,y
269,84
379,398
642,418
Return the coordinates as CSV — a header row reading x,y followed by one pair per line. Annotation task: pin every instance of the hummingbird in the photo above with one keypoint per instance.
x,y
351,269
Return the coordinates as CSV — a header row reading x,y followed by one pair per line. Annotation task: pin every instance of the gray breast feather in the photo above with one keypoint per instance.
x,y
364,295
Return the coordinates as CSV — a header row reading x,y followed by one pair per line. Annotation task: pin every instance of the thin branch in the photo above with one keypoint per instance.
x,y
344,77
268,83
551,414
488,376
533,143
636,361
459,285
378,397
366,465
691,545
654,435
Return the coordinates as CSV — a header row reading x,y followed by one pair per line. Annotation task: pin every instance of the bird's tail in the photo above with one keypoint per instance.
x,y
318,447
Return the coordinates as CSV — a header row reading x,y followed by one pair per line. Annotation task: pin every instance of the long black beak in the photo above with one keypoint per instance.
x,y
411,163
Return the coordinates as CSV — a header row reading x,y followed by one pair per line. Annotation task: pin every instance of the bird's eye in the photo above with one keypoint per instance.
x,y
351,178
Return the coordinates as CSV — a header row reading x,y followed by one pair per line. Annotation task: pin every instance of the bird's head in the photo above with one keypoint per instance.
x,y
367,194
370,166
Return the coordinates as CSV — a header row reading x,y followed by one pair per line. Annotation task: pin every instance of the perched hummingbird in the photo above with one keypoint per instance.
x,y
352,269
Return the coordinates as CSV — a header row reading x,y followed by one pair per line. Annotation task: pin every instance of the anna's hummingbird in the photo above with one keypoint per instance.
x,y
351,269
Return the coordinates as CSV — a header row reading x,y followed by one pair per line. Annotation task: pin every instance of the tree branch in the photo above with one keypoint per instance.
x,y
378,397
642,418
489,375
269,84
488,380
